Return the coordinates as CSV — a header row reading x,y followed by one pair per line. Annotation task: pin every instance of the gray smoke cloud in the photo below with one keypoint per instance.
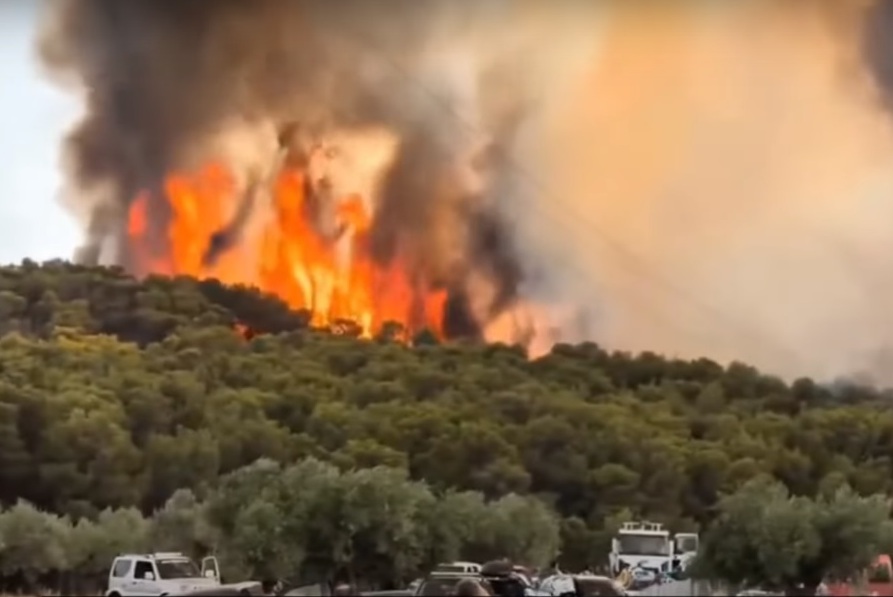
x,y
168,84
692,178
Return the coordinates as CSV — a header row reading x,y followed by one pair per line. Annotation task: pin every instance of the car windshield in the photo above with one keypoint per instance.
x,y
439,586
686,544
180,568
644,545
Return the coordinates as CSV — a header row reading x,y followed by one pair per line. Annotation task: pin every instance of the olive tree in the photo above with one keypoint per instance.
x,y
32,543
764,536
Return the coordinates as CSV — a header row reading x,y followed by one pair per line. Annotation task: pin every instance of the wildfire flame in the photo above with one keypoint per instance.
x,y
292,259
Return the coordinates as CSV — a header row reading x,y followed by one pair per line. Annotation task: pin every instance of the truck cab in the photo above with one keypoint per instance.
x,y
685,548
167,573
642,547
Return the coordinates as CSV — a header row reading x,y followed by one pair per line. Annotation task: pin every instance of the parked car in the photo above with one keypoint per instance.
x,y
223,591
438,584
459,568
497,581
169,573
582,585
508,580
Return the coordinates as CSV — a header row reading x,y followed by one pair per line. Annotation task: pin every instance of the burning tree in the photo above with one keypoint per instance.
x,y
290,234
315,173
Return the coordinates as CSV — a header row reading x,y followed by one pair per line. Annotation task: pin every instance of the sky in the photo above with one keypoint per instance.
x,y
34,117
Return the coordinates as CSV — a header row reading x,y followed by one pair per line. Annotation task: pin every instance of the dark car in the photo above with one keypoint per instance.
x,y
438,584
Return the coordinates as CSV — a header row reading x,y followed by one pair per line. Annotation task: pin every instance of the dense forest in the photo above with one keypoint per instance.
x,y
117,392
301,524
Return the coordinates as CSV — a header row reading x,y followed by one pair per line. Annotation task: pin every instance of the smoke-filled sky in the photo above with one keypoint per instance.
x,y
33,117
698,179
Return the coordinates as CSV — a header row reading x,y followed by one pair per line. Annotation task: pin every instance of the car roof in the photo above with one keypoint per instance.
x,y
153,556
439,580
580,576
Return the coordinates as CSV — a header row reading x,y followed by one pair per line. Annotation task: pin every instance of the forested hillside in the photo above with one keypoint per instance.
x,y
116,392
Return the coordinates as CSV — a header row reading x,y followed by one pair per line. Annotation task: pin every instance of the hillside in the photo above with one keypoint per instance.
x,y
116,392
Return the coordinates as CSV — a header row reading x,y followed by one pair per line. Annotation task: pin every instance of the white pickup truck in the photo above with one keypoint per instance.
x,y
161,574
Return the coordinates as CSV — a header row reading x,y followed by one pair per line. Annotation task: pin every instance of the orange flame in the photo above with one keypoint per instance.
x,y
292,259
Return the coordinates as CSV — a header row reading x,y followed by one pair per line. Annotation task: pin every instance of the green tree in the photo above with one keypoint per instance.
x,y
764,536
182,525
115,393
32,543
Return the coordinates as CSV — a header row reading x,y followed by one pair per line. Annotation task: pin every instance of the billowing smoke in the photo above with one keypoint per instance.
x,y
169,85
698,179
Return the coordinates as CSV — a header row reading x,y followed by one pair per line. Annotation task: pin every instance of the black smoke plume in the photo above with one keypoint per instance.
x,y
694,160
165,82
